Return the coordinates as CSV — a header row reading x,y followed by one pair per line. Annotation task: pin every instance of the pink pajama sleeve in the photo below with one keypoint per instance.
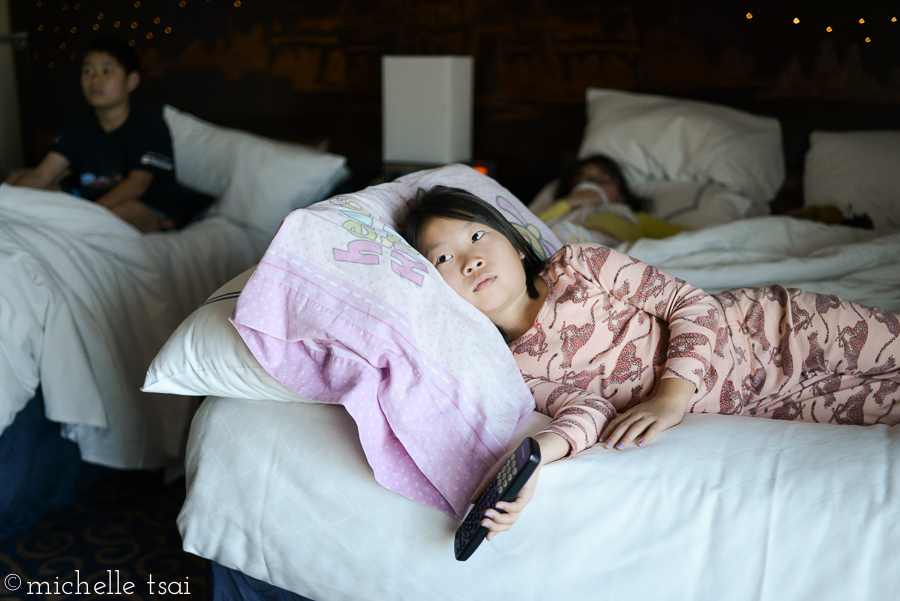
x,y
578,416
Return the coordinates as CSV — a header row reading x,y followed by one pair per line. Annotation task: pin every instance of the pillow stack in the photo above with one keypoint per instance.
x,y
342,310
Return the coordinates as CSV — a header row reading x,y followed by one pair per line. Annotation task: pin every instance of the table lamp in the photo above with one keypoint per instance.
x,y
427,109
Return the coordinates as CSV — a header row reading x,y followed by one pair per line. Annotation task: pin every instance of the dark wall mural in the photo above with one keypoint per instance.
x,y
307,71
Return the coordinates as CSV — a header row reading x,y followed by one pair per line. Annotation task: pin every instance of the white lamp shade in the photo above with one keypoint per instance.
x,y
427,109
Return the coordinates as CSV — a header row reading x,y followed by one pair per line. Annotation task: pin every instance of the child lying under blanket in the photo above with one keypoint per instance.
x,y
595,204
617,351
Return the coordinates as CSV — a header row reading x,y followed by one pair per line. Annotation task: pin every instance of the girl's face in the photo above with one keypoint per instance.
x,y
479,263
600,175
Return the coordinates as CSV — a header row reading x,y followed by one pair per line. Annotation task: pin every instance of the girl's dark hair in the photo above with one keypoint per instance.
x,y
567,178
119,50
455,203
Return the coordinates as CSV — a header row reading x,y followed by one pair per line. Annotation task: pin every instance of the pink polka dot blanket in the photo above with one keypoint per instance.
x,y
341,310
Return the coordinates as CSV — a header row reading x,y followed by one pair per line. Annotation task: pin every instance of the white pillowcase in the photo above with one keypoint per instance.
x,y
656,137
256,181
856,170
206,356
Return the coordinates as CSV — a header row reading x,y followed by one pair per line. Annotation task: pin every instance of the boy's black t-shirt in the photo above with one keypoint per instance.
x,y
100,160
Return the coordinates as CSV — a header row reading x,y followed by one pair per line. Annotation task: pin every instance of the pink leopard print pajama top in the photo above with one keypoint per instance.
x,y
612,327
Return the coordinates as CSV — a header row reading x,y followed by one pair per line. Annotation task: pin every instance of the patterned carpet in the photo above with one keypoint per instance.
x,y
118,541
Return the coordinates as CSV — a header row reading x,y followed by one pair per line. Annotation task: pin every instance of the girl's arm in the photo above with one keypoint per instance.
x,y
645,420
578,416
696,332
692,316
501,517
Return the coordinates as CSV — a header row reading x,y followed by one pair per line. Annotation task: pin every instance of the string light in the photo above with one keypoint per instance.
x,y
40,28
40,4
237,4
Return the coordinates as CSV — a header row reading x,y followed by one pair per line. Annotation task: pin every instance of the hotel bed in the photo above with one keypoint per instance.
x,y
347,388
87,302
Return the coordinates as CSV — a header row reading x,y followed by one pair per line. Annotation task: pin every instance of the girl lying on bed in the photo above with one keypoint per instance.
x,y
617,351
594,204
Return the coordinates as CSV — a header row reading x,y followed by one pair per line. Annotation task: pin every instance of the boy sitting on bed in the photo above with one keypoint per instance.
x,y
118,155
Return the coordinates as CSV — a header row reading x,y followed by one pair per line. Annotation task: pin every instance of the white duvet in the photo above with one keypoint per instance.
x,y
86,302
719,507
852,263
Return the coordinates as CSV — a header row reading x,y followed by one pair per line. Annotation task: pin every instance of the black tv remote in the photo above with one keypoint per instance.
x,y
504,487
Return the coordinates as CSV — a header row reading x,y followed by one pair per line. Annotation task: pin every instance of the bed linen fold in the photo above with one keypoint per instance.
x,y
86,302
855,264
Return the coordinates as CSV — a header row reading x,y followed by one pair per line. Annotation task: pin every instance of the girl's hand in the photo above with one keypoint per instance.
x,y
645,420
553,447
496,521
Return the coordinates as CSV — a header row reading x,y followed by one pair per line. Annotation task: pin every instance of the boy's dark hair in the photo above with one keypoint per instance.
x,y
568,177
456,203
119,50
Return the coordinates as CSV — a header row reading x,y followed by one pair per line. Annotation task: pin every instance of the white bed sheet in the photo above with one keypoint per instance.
x,y
86,302
717,508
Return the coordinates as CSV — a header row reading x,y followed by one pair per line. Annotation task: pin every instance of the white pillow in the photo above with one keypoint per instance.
x,y
206,356
858,170
257,181
656,137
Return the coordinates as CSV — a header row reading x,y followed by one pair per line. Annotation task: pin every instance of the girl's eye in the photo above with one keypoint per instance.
x,y
443,259
477,236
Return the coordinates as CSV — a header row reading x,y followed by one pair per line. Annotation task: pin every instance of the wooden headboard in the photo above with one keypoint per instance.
x,y
311,71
